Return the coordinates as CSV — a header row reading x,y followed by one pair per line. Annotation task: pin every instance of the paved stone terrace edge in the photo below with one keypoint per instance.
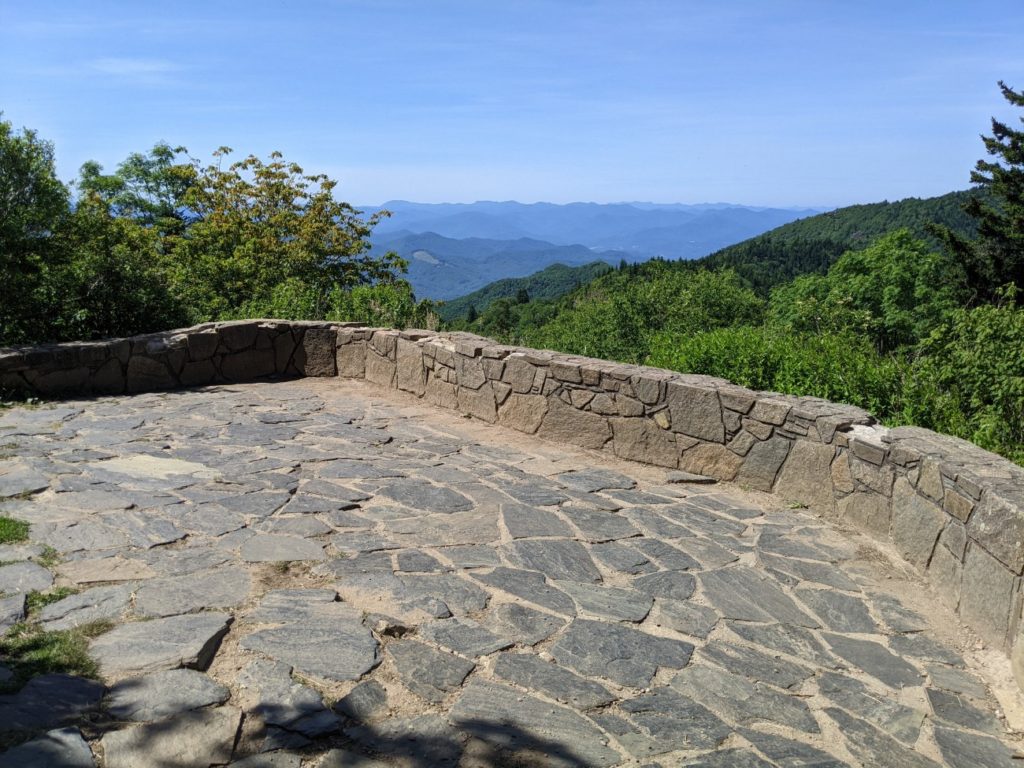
x,y
952,509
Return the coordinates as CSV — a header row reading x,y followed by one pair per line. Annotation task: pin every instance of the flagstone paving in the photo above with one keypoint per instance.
x,y
311,574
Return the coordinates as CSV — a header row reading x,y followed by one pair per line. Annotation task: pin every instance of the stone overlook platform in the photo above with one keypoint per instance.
x,y
340,570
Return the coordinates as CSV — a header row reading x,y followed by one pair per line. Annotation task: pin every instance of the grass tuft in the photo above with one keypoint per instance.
x,y
12,531
30,651
36,601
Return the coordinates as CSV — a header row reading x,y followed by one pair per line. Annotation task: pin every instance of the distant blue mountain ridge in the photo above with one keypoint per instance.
x,y
456,248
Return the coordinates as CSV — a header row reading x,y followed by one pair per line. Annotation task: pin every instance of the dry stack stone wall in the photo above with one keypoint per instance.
x,y
952,509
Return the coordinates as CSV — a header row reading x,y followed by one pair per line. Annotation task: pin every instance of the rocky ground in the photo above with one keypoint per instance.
x,y
308,574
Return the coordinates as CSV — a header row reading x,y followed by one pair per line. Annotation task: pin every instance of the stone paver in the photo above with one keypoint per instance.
x,y
317,573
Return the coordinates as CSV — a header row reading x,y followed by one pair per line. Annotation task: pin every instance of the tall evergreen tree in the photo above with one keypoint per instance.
x,y
996,258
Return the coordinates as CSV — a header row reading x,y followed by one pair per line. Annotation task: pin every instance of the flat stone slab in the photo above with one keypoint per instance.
x,y
280,548
512,722
24,577
49,701
531,672
223,588
12,610
63,747
203,737
326,641
150,646
96,604
621,654
428,672
163,694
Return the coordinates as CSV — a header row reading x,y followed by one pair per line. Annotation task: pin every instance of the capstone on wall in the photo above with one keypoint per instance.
x,y
951,509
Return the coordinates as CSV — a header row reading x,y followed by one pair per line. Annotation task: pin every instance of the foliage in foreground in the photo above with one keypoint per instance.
x,y
28,650
12,531
165,241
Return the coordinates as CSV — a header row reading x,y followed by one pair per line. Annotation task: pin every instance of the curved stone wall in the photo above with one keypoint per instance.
x,y
951,509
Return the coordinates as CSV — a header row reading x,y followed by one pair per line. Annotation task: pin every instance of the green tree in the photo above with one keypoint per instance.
x,y
259,224
33,204
895,292
996,258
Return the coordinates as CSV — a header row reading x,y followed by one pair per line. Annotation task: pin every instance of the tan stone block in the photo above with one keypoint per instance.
x,y
470,371
842,478
318,351
711,459
352,360
565,424
580,398
806,476
603,404
199,373
916,523
945,573
696,411
440,393
410,375
986,595
248,365
929,482
866,511
146,374
958,505
379,370
628,406
641,440
663,419
479,403
523,412
762,463
519,374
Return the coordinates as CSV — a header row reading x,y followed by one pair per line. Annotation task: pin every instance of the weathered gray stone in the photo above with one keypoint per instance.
x,y
512,722
998,525
17,478
463,636
150,646
97,604
275,699
278,548
897,616
985,595
49,701
671,585
523,412
424,739
222,588
803,570
564,424
727,758
673,721
426,497
876,660
366,701
789,753
839,612
324,640
621,654
523,521
954,710
957,681
638,439
200,738
695,411
524,625
559,559
742,701
428,672
899,721
922,646
690,619
609,602
785,638
755,664
802,476
24,577
743,593
961,749
916,523
873,747
63,748
763,462
590,480
163,694
531,672
12,610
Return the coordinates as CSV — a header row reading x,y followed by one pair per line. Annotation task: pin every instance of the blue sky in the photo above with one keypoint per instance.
x,y
783,103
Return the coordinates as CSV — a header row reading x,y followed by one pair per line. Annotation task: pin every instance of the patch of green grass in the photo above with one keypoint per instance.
x,y
12,531
36,601
30,651
49,557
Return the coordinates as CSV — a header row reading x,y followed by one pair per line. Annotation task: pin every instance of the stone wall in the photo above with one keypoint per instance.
x,y
951,509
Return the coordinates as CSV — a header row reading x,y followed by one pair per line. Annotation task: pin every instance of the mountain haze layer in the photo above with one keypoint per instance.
x,y
456,248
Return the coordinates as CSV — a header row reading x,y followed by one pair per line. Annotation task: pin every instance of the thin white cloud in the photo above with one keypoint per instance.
x,y
132,68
